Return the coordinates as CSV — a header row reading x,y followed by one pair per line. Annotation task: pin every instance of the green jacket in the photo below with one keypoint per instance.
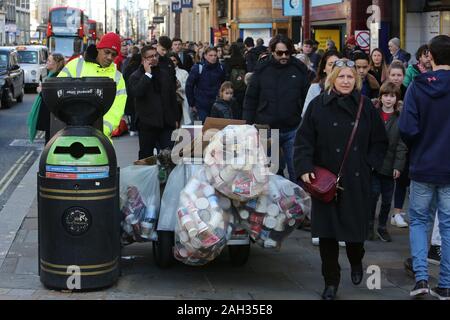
x,y
411,73
80,68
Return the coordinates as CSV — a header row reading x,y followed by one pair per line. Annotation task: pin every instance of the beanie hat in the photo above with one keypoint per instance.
x,y
351,40
110,41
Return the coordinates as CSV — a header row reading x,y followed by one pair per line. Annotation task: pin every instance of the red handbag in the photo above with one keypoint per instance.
x,y
325,186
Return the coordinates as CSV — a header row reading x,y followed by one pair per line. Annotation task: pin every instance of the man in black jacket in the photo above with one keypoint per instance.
x,y
156,104
164,46
276,94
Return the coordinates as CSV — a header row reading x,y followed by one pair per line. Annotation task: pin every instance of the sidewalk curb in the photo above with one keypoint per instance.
x,y
16,209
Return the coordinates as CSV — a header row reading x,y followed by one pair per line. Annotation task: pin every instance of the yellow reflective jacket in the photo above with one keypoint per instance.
x,y
79,68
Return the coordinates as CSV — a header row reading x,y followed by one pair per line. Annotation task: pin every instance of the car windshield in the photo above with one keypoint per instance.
x,y
3,60
29,57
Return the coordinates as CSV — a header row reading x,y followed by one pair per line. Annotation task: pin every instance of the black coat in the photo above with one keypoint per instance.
x,y
130,105
186,61
321,141
224,109
252,57
43,122
156,100
276,94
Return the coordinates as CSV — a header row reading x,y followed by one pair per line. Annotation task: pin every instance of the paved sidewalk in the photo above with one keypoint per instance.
x,y
292,273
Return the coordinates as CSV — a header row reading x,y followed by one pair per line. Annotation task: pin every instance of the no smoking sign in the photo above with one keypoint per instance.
x,y
363,39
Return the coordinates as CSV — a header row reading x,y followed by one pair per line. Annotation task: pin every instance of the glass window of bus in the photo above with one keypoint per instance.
x,y
66,46
28,57
65,17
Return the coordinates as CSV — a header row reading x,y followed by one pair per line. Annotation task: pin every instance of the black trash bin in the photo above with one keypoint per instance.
x,y
78,190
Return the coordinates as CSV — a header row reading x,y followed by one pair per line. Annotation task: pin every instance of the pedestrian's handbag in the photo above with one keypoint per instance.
x,y
325,186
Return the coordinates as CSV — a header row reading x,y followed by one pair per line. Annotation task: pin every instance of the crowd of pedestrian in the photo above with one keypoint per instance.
x,y
378,122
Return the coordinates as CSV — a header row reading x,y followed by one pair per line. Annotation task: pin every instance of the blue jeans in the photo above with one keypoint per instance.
x,y
421,197
287,140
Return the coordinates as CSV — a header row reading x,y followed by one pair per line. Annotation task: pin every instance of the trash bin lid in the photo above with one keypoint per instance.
x,y
79,101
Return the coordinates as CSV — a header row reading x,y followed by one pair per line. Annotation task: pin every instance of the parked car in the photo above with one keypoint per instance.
x,y
33,61
11,78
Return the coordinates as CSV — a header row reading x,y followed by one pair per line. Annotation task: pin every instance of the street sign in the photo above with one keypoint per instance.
x,y
188,4
176,7
158,20
292,8
363,39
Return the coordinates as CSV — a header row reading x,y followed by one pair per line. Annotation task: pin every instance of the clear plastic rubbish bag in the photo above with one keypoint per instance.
x,y
139,203
236,164
178,179
272,217
202,230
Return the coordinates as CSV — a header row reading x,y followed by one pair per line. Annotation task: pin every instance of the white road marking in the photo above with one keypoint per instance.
x,y
14,171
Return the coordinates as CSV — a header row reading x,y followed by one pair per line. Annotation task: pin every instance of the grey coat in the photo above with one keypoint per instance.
x,y
321,141
396,154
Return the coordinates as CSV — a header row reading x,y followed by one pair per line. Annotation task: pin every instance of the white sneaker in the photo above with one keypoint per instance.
x,y
315,241
133,133
398,221
342,244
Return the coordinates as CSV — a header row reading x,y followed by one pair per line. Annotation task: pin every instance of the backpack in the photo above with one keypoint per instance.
x,y
237,78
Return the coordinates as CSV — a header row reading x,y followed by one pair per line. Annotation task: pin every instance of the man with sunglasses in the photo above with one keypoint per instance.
x,y
157,110
276,94
99,62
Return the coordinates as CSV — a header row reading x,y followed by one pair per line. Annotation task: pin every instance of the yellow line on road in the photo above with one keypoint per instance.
x,y
14,171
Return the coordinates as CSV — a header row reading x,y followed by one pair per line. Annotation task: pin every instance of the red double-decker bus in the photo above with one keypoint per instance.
x,y
92,37
67,31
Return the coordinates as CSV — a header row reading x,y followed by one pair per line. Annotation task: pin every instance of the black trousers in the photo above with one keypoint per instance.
x,y
151,138
329,252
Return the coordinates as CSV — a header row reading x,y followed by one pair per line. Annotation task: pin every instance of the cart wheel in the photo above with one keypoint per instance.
x,y
239,254
163,249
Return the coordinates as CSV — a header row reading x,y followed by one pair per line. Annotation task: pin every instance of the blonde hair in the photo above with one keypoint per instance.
x,y
227,85
331,79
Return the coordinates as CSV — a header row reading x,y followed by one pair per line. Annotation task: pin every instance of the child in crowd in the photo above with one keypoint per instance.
x,y
225,106
394,161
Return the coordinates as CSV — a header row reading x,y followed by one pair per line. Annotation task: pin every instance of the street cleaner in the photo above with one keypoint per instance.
x,y
99,62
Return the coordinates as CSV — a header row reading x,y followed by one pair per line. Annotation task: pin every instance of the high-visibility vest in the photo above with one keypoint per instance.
x,y
79,68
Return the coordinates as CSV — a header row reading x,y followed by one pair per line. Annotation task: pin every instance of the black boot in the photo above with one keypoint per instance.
x,y
357,274
329,293
371,233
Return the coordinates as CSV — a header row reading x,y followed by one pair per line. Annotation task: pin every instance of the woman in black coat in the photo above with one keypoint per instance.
x,y
321,141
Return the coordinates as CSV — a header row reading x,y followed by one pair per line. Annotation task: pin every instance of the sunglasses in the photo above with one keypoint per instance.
x,y
344,63
282,53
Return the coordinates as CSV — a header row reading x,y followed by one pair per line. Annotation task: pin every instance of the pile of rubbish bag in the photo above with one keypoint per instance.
x,y
235,189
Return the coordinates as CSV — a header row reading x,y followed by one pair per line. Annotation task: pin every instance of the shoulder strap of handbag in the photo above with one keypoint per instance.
x,y
352,137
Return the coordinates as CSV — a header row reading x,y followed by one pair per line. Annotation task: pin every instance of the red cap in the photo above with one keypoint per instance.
x,y
351,40
110,41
